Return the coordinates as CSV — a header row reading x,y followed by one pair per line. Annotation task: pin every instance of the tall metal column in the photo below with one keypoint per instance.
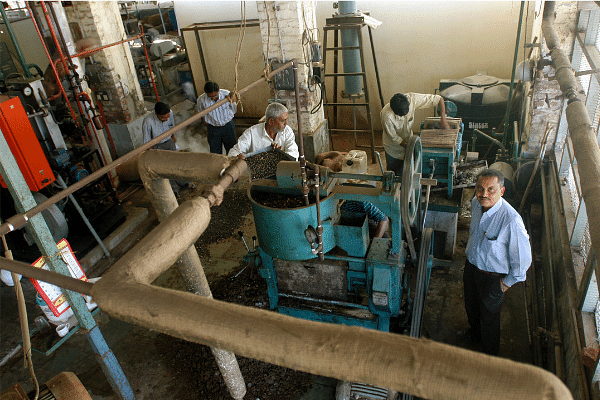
x,y
38,229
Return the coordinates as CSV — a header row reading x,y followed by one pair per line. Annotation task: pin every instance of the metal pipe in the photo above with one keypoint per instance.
x,y
424,368
141,26
585,143
319,222
19,220
63,185
60,280
300,137
95,49
161,18
105,123
514,69
516,139
154,167
499,143
56,74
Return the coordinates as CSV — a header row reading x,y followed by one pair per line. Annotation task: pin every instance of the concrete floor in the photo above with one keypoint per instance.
x,y
141,352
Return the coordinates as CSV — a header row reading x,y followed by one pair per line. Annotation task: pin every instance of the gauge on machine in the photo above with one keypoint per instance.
x,y
27,91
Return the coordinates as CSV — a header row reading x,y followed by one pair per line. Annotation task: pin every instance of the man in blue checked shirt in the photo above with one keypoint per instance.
x,y
498,256
219,122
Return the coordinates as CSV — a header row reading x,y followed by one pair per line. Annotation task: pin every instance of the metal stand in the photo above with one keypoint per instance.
x,y
336,24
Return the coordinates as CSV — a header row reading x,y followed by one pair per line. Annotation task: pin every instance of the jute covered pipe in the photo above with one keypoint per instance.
x,y
417,366
181,226
585,142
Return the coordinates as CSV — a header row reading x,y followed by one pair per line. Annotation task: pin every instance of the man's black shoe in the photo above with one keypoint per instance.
x,y
469,336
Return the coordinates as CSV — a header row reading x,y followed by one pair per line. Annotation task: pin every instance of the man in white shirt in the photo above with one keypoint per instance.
x,y
397,118
219,122
274,132
498,256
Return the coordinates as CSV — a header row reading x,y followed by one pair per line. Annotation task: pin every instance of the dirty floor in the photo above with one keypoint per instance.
x,y
161,367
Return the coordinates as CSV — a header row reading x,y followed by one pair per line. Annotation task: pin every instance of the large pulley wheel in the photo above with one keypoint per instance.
x,y
410,195
410,192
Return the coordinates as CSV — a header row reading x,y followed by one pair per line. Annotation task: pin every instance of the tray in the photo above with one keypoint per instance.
x,y
263,163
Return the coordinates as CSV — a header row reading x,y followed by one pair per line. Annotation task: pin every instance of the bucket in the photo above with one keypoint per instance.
x,y
62,319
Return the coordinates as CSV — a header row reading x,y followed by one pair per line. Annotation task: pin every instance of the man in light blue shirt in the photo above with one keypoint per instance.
x,y
498,256
220,129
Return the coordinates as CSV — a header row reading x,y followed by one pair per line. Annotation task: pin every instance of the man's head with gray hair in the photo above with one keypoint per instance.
x,y
276,116
274,110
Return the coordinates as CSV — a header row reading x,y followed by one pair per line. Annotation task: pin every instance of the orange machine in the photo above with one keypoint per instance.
x,y
24,145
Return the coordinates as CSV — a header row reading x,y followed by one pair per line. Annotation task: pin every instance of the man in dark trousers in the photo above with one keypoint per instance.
x,y
220,127
498,256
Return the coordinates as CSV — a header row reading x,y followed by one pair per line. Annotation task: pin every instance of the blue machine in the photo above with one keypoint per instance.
x,y
356,281
441,149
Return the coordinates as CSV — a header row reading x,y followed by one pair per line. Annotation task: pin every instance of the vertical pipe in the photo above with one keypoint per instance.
x,y
63,185
201,53
350,57
148,61
319,222
300,137
57,76
514,69
161,18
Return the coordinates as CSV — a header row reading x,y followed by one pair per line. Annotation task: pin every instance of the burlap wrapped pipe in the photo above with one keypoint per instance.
x,y
172,241
417,366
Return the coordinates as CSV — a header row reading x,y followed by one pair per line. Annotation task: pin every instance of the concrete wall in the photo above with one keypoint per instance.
x,y
102,21
417,44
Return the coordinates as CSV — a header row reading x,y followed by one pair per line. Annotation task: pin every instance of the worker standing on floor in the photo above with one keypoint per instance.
x,y
498,256
397,118
274,132
154,125
219,122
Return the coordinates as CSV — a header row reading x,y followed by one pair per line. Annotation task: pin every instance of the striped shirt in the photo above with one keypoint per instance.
x,y
364,207
153,127
222,115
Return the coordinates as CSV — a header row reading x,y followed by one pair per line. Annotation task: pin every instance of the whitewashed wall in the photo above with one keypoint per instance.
x,y
417,44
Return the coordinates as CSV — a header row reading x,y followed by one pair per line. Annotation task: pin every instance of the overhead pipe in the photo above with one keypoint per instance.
x,y
19,220
583,137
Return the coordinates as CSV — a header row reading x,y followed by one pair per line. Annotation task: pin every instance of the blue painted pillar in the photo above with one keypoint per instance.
x,y
39,231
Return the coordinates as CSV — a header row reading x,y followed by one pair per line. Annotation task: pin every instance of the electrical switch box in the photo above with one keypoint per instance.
x,y
24,145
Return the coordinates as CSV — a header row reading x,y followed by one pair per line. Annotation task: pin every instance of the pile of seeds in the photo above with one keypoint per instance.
x,y
278,200
224,219
264,165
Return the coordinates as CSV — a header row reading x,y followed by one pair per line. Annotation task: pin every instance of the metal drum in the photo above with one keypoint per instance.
x,y
280,231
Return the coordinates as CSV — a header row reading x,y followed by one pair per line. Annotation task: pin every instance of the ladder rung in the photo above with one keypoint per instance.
x,y
343,48
345,74
348,130
346,104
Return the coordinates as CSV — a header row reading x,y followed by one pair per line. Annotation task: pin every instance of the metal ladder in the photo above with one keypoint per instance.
x,y
336,24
